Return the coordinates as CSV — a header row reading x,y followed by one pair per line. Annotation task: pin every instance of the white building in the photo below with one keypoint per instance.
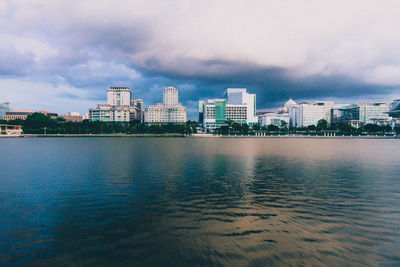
x,y
120,107
239,106
119,96
273,119
238,98
170,97
376,113
170,111
307,114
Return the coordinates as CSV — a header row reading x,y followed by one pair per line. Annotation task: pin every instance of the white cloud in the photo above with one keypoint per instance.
x,y
38,48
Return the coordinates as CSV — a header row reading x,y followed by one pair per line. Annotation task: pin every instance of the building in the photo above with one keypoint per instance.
x,y
119,96
238,106
274,119
73,116
170,111
361,114
394,109
120,107
48,113
375,113
4,108
21,114
307,114
290,107
10,129
170,97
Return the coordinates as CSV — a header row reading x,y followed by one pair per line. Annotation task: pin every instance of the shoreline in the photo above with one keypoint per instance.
x,y
198,136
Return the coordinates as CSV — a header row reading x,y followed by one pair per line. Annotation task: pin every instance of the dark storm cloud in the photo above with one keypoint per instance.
x,y
273,86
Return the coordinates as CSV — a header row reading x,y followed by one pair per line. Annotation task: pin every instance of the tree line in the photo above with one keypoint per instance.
x,y
38,123
231,128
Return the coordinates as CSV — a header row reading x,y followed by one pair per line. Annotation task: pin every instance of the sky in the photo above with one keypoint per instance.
x,y
62,55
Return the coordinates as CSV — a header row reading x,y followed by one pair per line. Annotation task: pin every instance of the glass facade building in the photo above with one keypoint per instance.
x,y
238,106
4,108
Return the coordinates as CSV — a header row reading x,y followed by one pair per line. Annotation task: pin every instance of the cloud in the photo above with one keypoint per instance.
x,y
314,49
30,94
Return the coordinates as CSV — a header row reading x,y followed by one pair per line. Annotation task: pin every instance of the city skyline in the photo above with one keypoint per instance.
x,y
61,56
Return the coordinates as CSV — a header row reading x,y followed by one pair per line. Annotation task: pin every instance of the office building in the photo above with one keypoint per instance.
x,y
73,116
362,114
277,119
120,107
375,113
119,96
21,114
4,108
290,107
170,97
238,106
170,111
307,114
394,110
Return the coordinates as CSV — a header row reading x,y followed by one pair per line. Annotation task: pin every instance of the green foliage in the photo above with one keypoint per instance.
x,y
374,128
272,128
322,124
37,122
311,128
233,128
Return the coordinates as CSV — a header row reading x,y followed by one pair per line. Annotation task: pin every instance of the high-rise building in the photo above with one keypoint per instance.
x,y
290,107
120,107
170,97
4,108
170,111
238,106
119,96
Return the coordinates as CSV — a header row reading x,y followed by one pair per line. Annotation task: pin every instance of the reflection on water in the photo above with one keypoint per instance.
x,y
156,201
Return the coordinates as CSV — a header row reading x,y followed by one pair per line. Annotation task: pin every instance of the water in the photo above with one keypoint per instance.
x,y
194,201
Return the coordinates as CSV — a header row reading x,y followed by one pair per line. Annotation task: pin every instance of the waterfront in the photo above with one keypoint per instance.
x,y
199,201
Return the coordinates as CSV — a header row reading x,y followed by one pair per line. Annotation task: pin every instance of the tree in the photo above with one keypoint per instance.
x,y
256,127
236,127
272,128
322,124
311,127
223,130
245,128
36,122
284,124
372,128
